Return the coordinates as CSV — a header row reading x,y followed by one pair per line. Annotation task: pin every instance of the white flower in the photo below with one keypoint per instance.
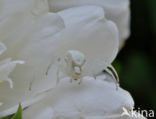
x,y
39,37
24,25
115,10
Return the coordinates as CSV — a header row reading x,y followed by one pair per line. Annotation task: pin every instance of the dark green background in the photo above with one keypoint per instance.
x,y
136,63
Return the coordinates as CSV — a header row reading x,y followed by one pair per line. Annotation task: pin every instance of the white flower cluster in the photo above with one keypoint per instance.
x,y
37,34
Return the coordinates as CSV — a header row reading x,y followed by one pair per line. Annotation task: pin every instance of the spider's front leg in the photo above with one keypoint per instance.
x,y
80,81
60,70
111,70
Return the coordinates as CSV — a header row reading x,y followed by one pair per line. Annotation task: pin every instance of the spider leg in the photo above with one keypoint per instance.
x,y
114,73
80,81
95,76
111,70
59,69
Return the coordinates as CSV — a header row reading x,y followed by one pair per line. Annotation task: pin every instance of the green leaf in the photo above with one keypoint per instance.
x,y
18,114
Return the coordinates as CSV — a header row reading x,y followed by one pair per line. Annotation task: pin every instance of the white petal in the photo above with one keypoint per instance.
x,y
40,113
91,98
18,21
26,103
19,7
20,30
116,10
45,114
81,14
38,54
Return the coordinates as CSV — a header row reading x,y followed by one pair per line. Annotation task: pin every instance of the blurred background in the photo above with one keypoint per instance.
x,y
136,63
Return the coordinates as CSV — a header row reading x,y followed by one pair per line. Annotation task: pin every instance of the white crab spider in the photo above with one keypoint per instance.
x,y
74,62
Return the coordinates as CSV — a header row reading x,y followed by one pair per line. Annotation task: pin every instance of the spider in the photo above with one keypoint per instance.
x,y
74,61
72,65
